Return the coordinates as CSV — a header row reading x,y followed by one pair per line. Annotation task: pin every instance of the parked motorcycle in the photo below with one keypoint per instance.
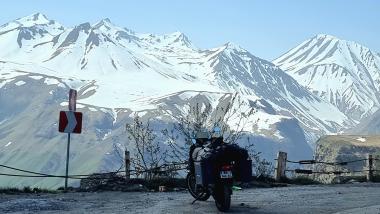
x,y
214,167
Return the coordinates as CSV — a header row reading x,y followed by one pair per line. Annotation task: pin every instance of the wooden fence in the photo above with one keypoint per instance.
x,y
282,160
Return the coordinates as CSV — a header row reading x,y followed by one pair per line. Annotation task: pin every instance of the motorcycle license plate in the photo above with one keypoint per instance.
x,y
225,174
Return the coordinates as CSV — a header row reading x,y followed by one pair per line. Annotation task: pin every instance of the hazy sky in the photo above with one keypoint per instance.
x,y
266,28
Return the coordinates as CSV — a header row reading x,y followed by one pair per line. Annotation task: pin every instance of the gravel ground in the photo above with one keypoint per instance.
x,y
349,198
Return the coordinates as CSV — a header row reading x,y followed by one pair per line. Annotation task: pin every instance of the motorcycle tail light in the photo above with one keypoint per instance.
x,y
227,167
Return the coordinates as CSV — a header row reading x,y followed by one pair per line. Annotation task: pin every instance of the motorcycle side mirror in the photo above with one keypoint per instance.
x,y
193,141
216,132
217,129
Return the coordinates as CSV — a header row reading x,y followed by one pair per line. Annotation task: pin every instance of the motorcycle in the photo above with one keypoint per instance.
x,y
216,178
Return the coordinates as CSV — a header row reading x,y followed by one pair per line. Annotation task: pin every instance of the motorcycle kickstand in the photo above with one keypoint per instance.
x,y
197,199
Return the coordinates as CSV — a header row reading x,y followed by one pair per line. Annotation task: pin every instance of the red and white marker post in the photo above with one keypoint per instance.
x,y
70,122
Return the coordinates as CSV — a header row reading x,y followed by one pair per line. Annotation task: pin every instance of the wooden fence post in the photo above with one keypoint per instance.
x,y
127,165
281,166
370,168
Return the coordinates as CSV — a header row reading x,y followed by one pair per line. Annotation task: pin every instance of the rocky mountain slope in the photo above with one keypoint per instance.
x,y
30,140
353,149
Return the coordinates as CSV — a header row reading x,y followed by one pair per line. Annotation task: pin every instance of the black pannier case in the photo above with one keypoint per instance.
x,y
244,171
204,173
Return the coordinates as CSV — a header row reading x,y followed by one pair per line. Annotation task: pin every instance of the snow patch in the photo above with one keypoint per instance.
x,y
36,77
92,109
111,112
67,104
20,83
80,105
265,121
278,135
361,139
3,83
51,81
90,89
10,74
141,113
106,135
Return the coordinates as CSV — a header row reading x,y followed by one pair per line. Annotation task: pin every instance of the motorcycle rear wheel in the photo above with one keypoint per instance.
x,y
223,197
191,185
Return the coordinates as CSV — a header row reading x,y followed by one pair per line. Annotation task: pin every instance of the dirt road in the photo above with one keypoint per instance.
x,y
350,198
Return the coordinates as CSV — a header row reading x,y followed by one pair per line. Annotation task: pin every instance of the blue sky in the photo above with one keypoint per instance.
x,y
266,28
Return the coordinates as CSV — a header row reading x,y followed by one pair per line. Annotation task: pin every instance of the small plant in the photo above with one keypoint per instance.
x,y
262,168
27,190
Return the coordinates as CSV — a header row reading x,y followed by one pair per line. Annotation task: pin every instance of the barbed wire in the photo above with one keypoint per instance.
x,y
306,171
336,172
308,162
154,170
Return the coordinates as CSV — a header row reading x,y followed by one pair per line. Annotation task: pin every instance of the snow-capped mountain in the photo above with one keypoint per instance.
x,y
344,73
118,72
112,55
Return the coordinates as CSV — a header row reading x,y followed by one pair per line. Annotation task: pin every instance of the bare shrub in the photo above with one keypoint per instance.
x,y
148,156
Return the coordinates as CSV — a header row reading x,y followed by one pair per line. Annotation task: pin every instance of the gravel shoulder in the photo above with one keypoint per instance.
x,y
348,198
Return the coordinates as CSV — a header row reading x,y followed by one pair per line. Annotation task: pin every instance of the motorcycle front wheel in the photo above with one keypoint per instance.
x,y
191,186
